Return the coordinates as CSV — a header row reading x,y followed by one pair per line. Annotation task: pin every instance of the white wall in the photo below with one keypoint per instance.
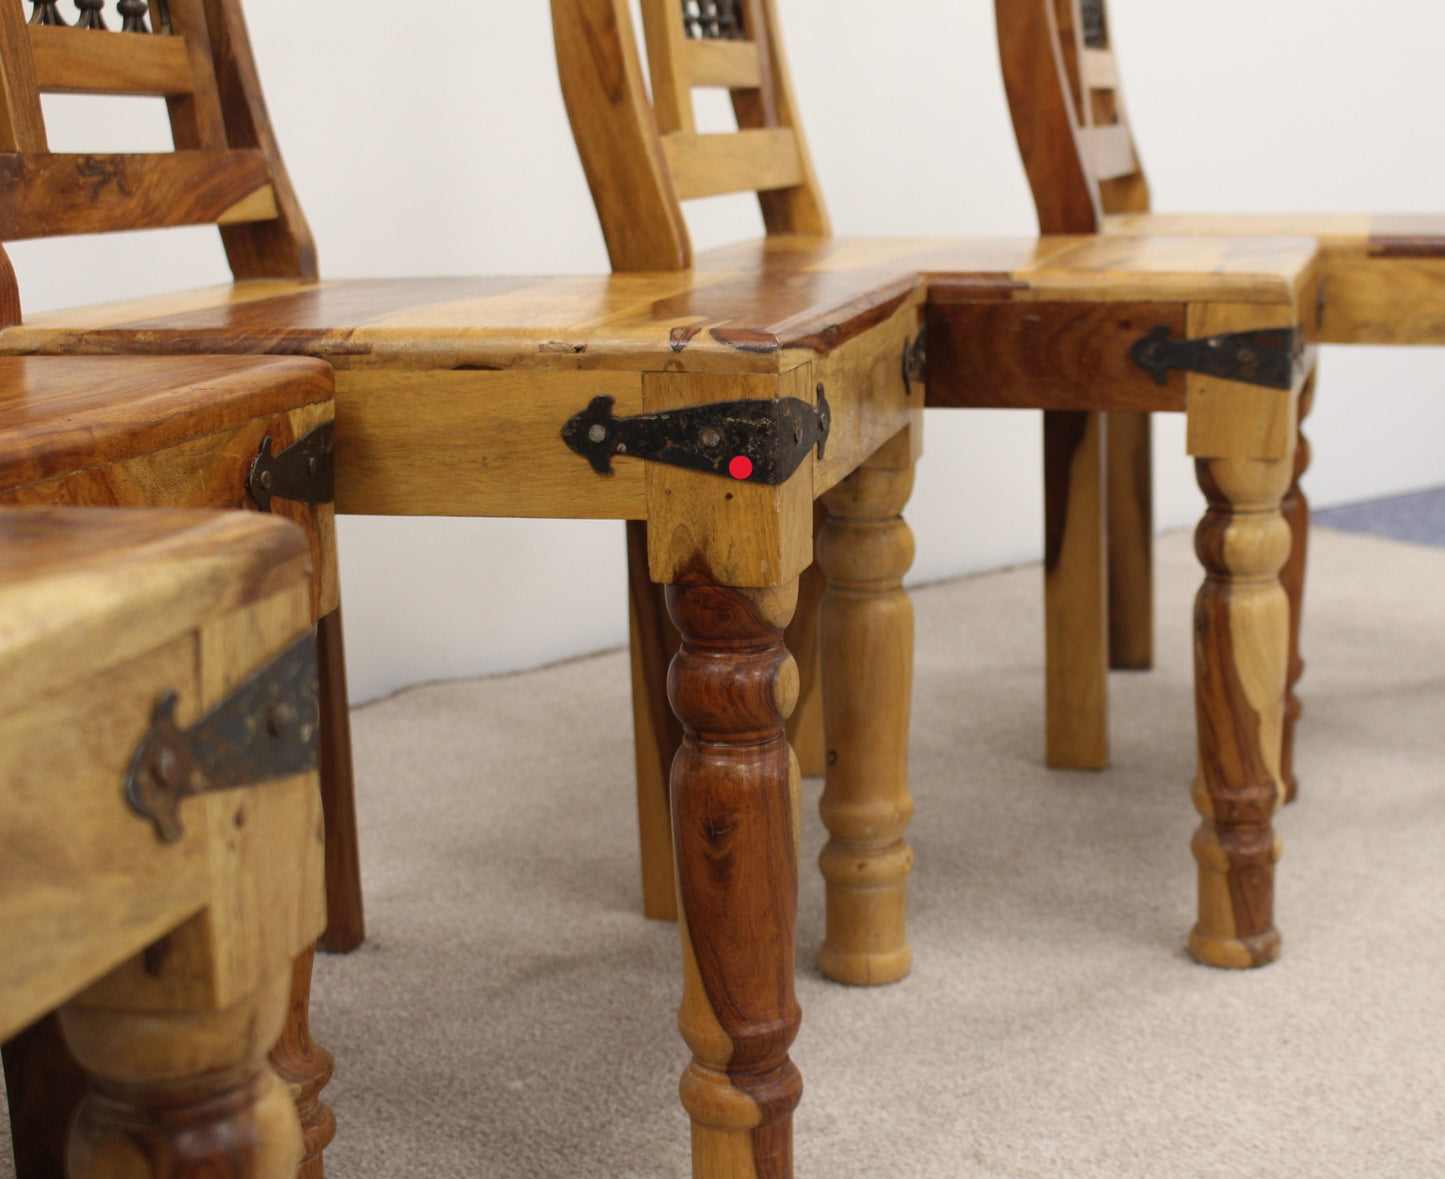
x,y
432,139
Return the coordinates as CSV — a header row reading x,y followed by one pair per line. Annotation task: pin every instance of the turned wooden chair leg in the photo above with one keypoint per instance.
x,y
1296,511
653,641
345,918
1241,652
179,1094
45,1085
866,632
1076,643
1130,541
735,825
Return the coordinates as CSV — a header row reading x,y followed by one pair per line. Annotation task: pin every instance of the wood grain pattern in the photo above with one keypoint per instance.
x,y
735,827
865,629
1076,648
1069,356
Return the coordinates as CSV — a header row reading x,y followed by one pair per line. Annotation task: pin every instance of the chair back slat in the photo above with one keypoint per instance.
x,y
757,160
1068,112
67,194
730,65
109,63
626,139
225,169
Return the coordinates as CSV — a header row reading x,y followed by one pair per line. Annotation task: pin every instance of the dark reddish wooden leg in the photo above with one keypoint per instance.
x,y
345,923
1241,651
1296,511
735,829
656,731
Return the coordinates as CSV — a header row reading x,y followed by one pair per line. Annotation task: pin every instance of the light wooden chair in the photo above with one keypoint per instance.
x,y
161,864
986,346
183,432
1383,282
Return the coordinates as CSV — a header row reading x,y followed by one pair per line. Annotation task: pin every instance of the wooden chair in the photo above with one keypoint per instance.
x,y
164,927
183,432
986,346
716,405
1383,280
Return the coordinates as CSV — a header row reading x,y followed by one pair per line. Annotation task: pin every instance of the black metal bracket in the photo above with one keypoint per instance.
x,y
304,472
915,359
773,436
1269,358
268,728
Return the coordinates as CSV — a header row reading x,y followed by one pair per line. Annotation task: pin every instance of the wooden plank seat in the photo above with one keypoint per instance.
x,y
170,958
167,433
1383,282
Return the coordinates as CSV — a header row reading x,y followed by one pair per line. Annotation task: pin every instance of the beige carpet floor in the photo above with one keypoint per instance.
x,y
512,1014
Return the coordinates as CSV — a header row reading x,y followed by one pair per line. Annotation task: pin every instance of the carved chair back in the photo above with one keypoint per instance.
x,y
1068,113
225,169
643,156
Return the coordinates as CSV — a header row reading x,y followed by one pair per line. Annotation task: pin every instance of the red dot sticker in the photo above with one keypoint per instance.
x,y
741,467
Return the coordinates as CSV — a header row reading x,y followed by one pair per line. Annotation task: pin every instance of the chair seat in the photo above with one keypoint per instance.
x,y
1384,274
64,414
750,303
451,392
83,591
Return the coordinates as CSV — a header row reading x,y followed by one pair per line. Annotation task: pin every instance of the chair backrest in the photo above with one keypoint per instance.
x,y
1068,113
644,157
225,169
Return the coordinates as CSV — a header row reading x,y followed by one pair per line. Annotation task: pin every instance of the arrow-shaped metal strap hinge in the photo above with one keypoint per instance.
x,y
268,728
304,472
1269,358
773,436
